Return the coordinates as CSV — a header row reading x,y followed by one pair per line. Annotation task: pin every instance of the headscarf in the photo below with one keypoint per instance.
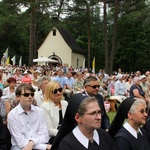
x,y
69,122
121,115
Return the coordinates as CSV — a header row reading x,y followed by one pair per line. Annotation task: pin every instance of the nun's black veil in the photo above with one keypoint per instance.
x,y
69,122
121,115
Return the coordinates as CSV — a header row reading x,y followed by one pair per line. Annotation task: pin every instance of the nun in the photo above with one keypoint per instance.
x,y
80,129
130,135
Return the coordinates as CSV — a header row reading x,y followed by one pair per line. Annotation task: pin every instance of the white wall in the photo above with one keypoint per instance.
x,y
57,45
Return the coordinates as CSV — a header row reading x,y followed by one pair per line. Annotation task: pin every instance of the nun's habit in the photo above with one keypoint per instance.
x,y
121,115
122,138
65,132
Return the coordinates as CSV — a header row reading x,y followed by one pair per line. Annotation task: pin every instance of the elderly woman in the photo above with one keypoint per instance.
x,y
39,95
136,90
81,126
78,84
54,107
130,136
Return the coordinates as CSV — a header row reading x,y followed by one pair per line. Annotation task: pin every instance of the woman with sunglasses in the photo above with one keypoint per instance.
x,y
54,108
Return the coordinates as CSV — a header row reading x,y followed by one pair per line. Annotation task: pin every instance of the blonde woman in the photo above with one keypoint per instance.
x,y
54,107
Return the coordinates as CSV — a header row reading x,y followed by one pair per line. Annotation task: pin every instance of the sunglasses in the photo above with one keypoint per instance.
x,y
56,90
28,94
94,86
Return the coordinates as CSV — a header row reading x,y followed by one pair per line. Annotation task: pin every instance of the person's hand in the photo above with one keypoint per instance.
x,y
146,99
48,147
29,146
126,94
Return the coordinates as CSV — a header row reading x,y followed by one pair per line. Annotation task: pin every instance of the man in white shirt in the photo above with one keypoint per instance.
x,y
27,123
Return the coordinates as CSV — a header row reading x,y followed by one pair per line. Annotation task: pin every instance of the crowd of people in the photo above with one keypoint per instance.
x,y
55,107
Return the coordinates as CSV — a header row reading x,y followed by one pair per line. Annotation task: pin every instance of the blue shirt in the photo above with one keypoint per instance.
x,y
120,88
61,80
69,81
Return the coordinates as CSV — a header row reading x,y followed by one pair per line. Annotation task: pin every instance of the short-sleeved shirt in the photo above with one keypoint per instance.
x,y
133,87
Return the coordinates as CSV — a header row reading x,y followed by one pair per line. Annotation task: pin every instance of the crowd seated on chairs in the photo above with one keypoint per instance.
x,y
113,89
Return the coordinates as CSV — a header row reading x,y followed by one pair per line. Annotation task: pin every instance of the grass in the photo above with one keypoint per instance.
x,y
111,115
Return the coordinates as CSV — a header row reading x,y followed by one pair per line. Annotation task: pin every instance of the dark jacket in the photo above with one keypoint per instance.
x,y
124,140
69,142
3,145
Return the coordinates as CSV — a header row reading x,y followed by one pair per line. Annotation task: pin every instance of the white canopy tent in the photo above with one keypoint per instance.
x,y
44,60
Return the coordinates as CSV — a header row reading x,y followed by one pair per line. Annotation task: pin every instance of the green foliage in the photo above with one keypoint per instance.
x,y
111,115
132,38
132,41
15,25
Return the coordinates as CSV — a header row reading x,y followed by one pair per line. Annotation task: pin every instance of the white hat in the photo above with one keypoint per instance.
x,y
25,72
120,76
38,71
113,77
142,77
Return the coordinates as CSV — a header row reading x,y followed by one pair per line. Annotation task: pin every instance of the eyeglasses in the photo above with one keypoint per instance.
x,y
142,111
56,90
28,94
94,113
94,86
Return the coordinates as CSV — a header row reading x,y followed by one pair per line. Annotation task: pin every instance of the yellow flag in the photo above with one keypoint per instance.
x,y
7,61
93,65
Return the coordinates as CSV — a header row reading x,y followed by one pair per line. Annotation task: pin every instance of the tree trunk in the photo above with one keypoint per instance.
x,y
34,39
60,7
114,36
32,47
88,32
106,38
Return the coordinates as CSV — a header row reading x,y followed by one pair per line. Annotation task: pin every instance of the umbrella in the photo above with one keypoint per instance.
x,y
44,59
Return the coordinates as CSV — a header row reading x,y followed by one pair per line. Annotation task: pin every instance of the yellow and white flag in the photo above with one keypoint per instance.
x,y
7,61
93,65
